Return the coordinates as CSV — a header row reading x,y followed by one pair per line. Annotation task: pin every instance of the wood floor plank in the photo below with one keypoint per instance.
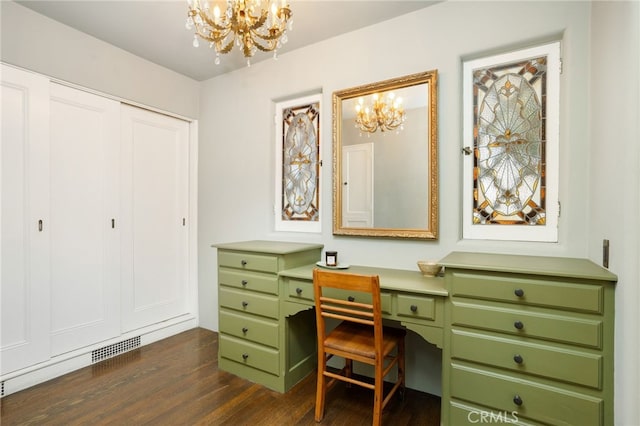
x,y
176,381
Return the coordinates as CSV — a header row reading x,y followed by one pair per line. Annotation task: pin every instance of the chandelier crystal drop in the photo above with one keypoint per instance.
x,y
251,25
384,114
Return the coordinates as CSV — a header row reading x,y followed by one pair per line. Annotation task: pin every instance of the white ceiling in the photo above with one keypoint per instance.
x,y
155,30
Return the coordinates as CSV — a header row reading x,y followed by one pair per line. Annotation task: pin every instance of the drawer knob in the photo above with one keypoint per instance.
x,y
245,356
243,262
245,282
244,330
351,299
519,292
519,325
298,291
518,359
517,400
245,304
413,308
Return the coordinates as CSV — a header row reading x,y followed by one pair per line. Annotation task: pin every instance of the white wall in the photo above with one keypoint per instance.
x,y
614,180
237,142
34,42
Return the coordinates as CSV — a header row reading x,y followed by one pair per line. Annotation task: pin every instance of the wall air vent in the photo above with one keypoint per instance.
x,y
2,388
109,351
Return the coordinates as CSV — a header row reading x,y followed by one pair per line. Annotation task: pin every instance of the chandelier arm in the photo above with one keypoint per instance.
x,y
259,22
367,126
272,35
270,48
212,38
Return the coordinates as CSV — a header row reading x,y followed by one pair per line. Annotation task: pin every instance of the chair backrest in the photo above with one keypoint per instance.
x,y
362,306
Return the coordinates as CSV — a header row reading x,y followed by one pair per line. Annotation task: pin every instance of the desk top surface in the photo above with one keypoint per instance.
x,y
390,279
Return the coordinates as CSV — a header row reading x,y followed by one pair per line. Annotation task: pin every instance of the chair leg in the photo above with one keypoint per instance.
x,y
378,394
401,368
348,369
321,387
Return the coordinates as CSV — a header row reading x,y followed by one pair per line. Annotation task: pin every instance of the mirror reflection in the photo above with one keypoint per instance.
x,y
385,171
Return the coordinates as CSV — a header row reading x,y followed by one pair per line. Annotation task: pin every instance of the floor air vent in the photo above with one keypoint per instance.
x,y
115,349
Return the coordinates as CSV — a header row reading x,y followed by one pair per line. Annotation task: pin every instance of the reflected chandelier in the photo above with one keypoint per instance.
x,y
383,115
249,24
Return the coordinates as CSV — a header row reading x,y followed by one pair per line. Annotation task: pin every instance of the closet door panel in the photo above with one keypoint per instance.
x,y
85,284
155,184
24,285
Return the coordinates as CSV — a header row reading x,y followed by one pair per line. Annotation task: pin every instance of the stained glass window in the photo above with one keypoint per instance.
x,y
297,192
511,139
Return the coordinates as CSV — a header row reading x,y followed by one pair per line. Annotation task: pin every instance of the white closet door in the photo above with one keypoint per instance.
x,y
24,289
85,282
155,167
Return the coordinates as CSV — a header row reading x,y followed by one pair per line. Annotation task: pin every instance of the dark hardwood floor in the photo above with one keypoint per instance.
x,y
176,381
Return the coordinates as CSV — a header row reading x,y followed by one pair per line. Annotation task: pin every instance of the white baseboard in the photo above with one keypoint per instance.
x,y
80,358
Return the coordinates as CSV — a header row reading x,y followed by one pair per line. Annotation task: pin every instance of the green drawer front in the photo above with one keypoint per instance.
x,y
570,366
255,281
251,328
248,261
534,324
250,354
300,290
249,302
540,403
417,307
581,297
303,290
466,414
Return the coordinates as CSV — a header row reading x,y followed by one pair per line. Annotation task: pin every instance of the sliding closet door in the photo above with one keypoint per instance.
x,y
85,282
155,164
24,289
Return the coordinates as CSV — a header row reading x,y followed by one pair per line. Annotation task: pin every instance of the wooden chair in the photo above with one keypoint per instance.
x,y
359,337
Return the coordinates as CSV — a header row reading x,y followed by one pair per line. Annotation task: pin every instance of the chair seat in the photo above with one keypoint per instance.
x,y
359,339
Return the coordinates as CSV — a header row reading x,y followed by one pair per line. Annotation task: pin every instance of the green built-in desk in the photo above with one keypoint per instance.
x,y
525,339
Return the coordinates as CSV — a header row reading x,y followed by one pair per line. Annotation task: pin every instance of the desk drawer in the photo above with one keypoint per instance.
x,y
541,403
255,281
417,307
248,261
512,289
300,290
528,323
243,326
581,368
249,302
250,354
303,290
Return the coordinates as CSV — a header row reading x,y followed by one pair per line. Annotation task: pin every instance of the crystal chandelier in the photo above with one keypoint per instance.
x,y
383,114
250,24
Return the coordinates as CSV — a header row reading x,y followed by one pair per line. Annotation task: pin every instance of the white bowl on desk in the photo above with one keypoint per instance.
x,y
429,268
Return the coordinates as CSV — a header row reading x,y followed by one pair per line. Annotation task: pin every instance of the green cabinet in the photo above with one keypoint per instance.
x,y
527,339
253,341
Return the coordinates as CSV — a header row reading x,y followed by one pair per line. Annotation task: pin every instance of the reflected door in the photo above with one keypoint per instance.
x,y
357,185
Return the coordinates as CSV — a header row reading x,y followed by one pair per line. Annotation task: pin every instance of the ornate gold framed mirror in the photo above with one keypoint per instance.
x,y
385,158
